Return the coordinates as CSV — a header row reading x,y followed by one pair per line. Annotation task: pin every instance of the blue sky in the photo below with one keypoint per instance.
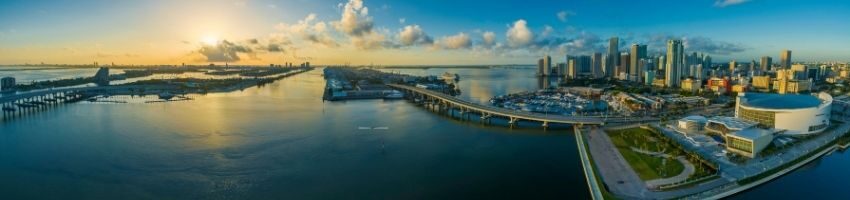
x,y
439,31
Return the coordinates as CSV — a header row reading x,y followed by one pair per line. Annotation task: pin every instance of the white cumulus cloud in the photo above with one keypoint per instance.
x,y
355,19
489,38
413,34
519,35
459,41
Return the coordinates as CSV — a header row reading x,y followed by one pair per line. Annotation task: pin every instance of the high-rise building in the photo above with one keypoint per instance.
x,y
753,67
562,69
662,62
540,67
700,72
733,66
547,66
572,72
675,54
785,59
596,67
648,77
583,64
638,52
613,56
644,65
605,71
691,61
706,61
102,76
766,62
624,66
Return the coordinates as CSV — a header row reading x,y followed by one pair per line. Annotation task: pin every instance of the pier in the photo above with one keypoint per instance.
x,y
447,102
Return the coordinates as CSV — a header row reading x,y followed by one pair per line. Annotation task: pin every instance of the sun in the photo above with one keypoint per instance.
x,y
210,40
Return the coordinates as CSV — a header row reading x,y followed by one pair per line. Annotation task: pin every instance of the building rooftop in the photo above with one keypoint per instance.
x,y
695,118
732,122
780,101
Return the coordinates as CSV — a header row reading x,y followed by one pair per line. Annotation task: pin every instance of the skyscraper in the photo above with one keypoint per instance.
x,y
766,62
638,53
596,68
571,67
675,62
662,62
753,67
623,68
547,65
613,56
785,59
583,64
732,67
540,67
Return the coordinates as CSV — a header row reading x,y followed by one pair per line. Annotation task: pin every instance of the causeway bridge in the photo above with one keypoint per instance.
x,y
447,102
23,102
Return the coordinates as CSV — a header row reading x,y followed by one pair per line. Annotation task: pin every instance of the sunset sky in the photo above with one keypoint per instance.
x,y
409,32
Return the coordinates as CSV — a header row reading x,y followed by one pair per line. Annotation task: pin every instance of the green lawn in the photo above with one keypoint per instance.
x,y
647,167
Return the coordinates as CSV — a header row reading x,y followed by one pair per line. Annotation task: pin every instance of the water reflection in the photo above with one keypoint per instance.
x,y
283,141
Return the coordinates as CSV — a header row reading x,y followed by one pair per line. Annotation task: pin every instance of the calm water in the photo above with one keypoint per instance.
x,y
282,142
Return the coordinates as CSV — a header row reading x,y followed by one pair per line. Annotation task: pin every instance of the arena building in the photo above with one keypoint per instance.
x,y
793,114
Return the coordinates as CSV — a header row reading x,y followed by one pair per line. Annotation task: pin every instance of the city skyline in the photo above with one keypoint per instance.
x,y
409,33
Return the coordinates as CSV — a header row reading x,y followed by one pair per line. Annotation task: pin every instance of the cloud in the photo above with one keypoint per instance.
x,y
402,20
707,45
274,48
370,41
583,44
309,29
412,35
224,51
489,39
355,19
519,35
724,3
459,41
564,15
547,31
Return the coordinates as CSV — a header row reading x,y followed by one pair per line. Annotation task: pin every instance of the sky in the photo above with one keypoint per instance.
x,y
394,32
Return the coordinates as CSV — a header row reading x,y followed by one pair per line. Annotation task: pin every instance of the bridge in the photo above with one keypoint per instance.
x,y
23,102
446,102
